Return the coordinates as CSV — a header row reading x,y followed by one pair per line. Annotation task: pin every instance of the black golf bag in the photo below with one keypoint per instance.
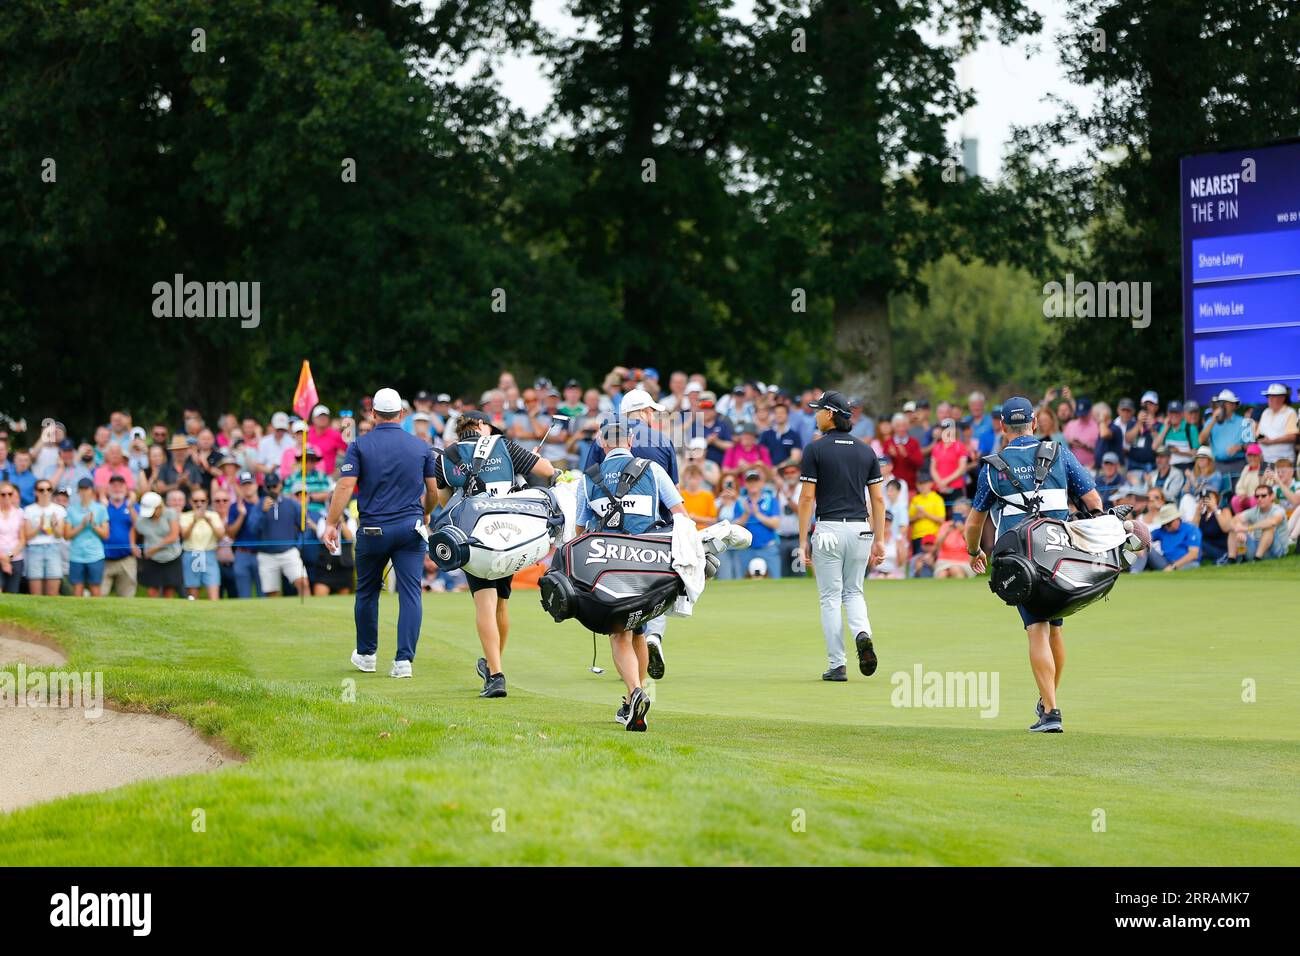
x,y
496,536
1037,565
611,582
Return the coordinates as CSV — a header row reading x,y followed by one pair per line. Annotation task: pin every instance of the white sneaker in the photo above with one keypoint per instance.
x,y
400,669
364,662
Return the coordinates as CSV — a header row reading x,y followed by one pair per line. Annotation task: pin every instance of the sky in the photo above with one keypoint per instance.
x,y
1011,82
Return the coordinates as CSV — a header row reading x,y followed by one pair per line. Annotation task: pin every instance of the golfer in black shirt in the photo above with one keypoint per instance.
x,y
839,473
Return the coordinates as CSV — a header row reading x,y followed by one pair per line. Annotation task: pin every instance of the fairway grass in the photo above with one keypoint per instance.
x,y
750,760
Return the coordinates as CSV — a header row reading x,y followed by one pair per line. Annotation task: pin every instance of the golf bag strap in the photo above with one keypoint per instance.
x,y
482,448
627,477
1044,458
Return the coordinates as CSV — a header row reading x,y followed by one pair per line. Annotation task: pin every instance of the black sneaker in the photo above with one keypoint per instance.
x,y
639,706
866,654
655,667
838,674
623,713
494,686
482,669
1048,723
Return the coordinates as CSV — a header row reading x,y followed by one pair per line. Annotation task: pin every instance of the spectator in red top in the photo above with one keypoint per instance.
x,y
948,459
326,440
903,450
746,451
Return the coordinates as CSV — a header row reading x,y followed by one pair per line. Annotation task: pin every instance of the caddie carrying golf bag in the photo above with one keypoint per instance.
x,y
611,582
1044,565
495,536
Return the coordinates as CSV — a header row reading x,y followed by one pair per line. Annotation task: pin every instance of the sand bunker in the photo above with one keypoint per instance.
x,y
53,752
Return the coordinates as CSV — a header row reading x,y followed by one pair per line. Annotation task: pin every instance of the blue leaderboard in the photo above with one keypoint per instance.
x,y
1241,270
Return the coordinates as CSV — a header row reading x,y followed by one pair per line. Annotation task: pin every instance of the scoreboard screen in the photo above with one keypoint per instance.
x,y
1241,270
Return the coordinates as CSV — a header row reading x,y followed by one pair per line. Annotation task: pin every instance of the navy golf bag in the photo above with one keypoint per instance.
x,y
611,582
1037,565
496,536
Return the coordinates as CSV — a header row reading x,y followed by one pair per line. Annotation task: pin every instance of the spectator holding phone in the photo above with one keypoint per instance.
x,y
1223,432
1214,521
952,560
1180,434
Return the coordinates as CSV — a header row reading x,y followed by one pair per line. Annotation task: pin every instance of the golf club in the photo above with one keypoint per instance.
x,y
555,420
594,668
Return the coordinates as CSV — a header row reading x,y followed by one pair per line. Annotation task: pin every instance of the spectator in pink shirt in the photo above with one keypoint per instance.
x,y
114,464
326,440
746,451
289,460
1082,433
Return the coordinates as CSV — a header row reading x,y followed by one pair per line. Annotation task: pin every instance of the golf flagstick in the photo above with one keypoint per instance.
x,y
302,512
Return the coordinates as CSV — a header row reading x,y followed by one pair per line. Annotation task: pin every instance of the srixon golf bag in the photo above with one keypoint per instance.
x,y
611,582
495,536
1039,563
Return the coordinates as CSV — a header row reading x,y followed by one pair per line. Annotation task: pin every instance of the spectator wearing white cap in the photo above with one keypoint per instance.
x,y
290,459
273,445
1223,432
326,439
1278,430
1201,476
158,546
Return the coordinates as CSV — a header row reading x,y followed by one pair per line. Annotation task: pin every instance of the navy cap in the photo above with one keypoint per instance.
x,y
246,478
67,444
1017,411
1174,406
474,416
85,483
833,401
272,478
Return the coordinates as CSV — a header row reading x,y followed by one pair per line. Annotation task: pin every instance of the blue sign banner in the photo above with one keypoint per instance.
x,y
1241,270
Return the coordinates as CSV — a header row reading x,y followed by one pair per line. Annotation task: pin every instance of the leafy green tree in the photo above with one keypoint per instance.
x,y
1174,77
844,134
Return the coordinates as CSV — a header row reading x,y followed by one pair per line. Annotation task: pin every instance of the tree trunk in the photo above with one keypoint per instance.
x,y
864,357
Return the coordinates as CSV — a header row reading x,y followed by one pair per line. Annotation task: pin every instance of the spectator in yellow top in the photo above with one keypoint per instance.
x,y
926,512
201,531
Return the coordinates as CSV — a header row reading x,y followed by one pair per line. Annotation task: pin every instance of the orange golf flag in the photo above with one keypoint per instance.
x,y
304,396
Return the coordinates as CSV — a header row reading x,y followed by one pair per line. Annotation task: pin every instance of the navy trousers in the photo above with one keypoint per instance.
x,y
401,544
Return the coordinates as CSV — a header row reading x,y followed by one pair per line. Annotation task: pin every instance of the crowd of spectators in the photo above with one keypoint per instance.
x,y
217,510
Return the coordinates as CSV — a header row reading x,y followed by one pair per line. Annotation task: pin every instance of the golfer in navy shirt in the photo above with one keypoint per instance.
x,y
393,475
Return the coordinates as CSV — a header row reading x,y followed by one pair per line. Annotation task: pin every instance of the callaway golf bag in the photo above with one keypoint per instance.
x,y
1055,568
495,536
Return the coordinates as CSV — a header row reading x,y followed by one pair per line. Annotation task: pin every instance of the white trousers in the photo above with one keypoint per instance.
x,y
840,550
